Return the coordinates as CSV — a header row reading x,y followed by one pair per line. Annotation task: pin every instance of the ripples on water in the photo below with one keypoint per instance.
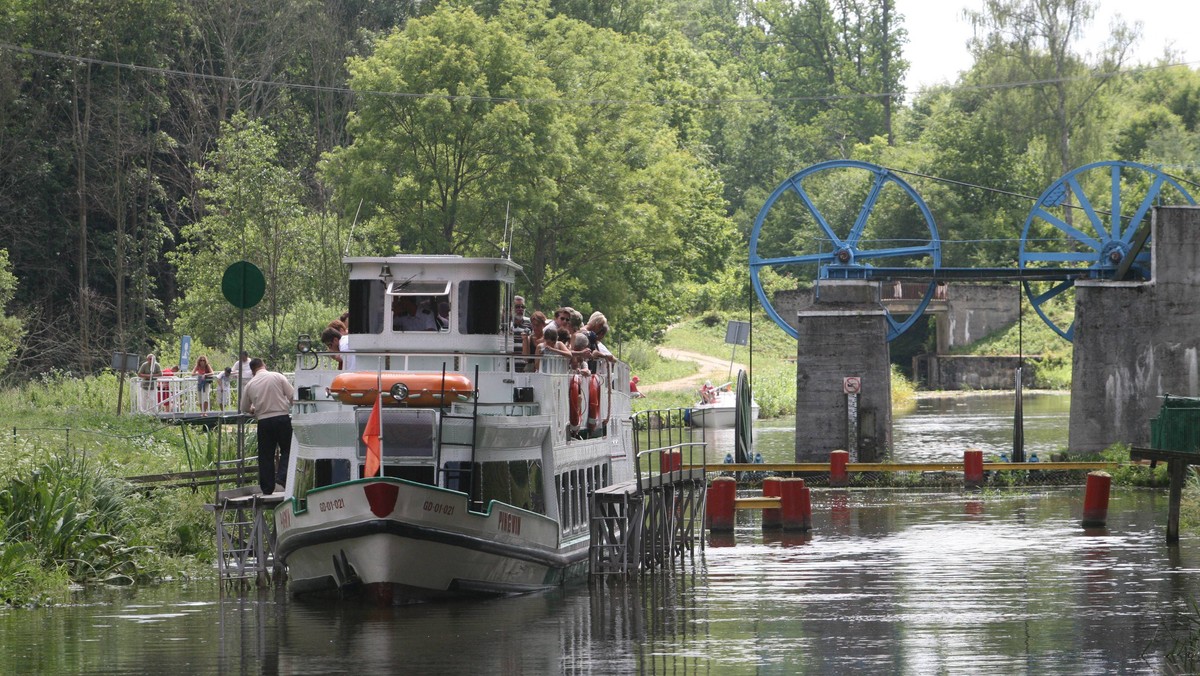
x,y
889,581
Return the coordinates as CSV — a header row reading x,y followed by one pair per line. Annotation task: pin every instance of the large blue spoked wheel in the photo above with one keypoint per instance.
x,y
1088,220
822,223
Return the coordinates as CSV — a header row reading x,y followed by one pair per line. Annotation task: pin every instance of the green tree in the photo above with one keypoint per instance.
x,y
454,113
10,327
541,120
251,212
1036,41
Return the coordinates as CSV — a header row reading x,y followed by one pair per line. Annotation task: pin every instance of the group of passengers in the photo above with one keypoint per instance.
x,y
565,336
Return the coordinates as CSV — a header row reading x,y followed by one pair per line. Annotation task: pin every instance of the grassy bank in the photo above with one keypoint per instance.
x,y
68,517
1051,353
771,357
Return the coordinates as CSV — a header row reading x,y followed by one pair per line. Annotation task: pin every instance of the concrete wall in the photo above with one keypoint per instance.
x,y
1136,341
971,372
975,310
970,312
843,334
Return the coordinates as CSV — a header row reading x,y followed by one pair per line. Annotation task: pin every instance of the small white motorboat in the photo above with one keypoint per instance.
x,y
717,407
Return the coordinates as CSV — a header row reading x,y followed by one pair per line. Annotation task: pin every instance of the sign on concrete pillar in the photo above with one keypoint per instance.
x,y
842,343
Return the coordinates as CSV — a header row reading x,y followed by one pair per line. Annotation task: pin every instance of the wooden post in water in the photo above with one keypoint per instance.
x,y
772,518
719,508
1177,471
797,505
670,461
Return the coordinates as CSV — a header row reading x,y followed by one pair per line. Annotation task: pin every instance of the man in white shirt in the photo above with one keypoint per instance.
x,y
269,396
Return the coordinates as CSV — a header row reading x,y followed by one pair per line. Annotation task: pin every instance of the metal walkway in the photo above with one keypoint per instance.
x,y
656,519
245,536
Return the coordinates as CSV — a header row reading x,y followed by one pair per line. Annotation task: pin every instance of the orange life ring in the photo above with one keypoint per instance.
x,y
594,403
424,389
573,400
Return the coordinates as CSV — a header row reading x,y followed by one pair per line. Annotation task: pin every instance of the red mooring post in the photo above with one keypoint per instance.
x,y
838,477
772,518
797,505
1095,500
719,504
670,461
973,468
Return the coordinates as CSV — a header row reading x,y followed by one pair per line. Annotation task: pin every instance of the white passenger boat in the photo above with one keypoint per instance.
x,y
720,411
486,465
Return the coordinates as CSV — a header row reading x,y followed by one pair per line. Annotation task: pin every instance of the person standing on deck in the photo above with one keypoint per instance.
x,y
204,376
147,372
223,387
268,396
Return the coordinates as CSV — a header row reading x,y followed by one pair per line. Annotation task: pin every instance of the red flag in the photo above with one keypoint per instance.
x,y
372,438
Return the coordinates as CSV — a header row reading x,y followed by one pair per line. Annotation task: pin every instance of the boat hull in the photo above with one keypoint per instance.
x,y
715,416
422,544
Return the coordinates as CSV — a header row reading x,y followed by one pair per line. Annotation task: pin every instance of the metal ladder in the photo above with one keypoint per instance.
x,y
245,536
616,521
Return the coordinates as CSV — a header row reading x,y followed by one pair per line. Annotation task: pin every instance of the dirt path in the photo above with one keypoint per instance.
x,y
711,368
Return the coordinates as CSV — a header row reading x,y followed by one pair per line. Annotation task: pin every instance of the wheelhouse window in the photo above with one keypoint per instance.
x,y
481,307
366,306
422,305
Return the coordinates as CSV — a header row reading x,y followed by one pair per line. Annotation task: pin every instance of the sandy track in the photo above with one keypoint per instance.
x,y
711,368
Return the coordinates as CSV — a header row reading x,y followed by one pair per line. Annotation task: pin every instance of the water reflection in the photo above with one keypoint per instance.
x,y
938,429
887,582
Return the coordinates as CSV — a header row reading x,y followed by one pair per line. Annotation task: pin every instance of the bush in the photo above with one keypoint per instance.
x,y
66,515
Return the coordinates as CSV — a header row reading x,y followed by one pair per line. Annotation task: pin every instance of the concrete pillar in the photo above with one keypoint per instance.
x,y
1135,341
843,334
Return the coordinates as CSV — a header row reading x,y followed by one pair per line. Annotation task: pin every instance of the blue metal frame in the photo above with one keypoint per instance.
x,y
852,263
1113,240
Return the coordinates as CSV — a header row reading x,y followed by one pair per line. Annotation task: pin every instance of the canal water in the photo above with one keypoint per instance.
x,y
889,581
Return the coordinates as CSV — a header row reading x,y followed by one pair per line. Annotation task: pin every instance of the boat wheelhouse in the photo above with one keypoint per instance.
x,y
487,457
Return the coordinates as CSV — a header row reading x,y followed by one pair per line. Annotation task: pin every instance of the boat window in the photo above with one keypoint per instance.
x,y
481,307
413,287
421,474
406,432
515,482
366,306
420,313
458,474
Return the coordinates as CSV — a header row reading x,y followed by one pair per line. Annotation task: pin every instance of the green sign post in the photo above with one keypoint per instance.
x,y
243,285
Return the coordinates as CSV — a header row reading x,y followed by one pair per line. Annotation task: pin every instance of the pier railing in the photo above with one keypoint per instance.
x,y
654,520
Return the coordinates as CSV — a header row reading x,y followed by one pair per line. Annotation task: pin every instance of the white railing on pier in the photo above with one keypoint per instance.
x,y
168,395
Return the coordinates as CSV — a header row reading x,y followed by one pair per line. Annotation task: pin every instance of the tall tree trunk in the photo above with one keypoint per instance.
x,y
885,52
81,121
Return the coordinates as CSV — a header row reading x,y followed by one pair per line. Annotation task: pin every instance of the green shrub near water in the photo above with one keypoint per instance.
x,y
67,515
